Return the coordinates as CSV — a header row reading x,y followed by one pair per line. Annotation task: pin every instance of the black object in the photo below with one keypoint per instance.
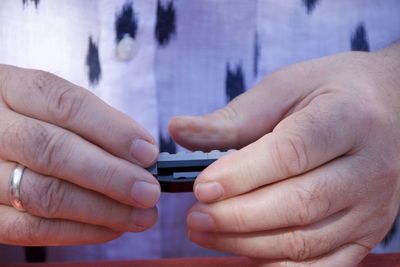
x,y
177,172
35,254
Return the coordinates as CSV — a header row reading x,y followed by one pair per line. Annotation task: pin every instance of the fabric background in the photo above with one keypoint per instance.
x,y
191,57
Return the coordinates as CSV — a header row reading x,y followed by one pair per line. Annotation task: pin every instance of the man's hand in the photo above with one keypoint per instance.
x,y
316,181
84,180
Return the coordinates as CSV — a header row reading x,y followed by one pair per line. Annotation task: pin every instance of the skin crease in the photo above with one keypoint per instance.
x,y
315,181
56,129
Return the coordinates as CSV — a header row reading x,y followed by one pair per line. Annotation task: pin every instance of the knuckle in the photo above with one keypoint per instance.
x,y
312,202
229,115
50,194
12,236
32,230
37,231
291,154
107,176
64,101
298,247
301,205
35,144
50,150
239,220
9,136
42,80
65,104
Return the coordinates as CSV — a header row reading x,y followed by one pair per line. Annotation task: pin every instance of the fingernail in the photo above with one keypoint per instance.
x,y
146,194
144,152
143,217
209,191
200,221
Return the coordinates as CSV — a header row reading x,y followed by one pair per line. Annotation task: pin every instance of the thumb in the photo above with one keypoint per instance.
x,y
247,117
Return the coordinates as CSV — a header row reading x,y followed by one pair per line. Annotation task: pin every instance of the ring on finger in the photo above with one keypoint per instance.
x,y
14,189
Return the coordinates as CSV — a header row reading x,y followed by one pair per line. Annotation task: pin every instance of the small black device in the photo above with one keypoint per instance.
x,y
177,172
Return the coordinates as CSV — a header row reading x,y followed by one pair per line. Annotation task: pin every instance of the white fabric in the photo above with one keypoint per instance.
x,y
186,76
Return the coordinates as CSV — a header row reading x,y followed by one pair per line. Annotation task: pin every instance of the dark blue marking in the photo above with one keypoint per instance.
x,y
93,63
126,22
166,23
25,2
234,82
359,39
310,5
257,53
167,144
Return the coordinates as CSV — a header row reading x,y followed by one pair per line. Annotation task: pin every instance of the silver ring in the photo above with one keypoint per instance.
x,y
15,183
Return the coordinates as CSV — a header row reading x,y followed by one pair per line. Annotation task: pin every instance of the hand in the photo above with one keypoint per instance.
x,y
317,180
84,180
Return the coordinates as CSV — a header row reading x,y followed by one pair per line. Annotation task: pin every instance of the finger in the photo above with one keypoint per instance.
x,y
301,142
349,255
250,115
23,229
46,97
297,244
51,198
52,151
299,201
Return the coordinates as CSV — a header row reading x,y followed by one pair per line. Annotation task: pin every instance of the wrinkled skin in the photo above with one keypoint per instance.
x,y
315,181
84,181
